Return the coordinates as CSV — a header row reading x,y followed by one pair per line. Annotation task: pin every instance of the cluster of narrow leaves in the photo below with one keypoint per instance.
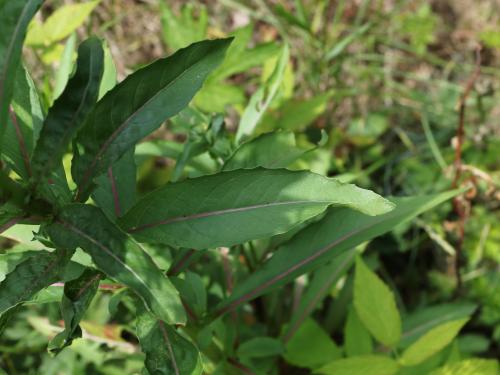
x,y
252,197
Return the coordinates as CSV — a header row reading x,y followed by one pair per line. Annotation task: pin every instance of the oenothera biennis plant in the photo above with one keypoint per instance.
x,y
253,202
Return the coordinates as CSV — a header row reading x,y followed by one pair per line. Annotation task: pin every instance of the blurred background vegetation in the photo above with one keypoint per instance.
x,y
372,86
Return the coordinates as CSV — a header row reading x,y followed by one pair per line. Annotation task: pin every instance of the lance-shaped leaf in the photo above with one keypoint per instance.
x,y
167,352
30,276
116,189
119,256
78,294
70,109
24,125
432,342
115,192
138,105
14,18
476,366
420,322
233,207
340,230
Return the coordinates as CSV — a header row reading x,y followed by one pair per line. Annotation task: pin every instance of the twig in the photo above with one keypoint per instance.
x,y
458,202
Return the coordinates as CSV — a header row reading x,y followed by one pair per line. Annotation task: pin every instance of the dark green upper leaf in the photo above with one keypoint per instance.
x,y
78,294
24,125
31,276
70,109
340,230
14,19
167,352
237,206
116,189
138,105
120,257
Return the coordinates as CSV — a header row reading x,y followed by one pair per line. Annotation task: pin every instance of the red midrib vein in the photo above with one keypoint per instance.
x,y
95,242
169,346
202,215
87,285
293,268
20,139
122,127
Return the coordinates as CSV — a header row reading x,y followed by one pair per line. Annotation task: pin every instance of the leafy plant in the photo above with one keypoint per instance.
x,y
220,272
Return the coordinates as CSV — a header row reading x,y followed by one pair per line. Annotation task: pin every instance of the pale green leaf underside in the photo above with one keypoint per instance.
x,y
233,207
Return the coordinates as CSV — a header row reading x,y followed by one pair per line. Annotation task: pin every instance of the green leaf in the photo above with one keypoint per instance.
x,y
259,347
14,18
311,347
70,109
30,276
375,306
320,285
119,257
338,232
233,207
361,365
420,322
167,352
472,366
269,150
432,342
65,20
193,292
24,125
357,339
65,67
78,294
138,105
262,98
116,190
